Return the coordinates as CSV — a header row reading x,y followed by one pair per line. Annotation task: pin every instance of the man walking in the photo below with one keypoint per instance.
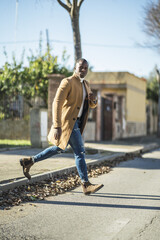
x,y
70,112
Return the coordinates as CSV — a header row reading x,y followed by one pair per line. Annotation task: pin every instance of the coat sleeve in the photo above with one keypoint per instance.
x,y
92,104
61,95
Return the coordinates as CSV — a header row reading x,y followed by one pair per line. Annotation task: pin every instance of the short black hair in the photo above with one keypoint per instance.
x,y
81,60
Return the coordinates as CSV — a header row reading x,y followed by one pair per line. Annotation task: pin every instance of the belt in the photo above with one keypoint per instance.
x,y
78,118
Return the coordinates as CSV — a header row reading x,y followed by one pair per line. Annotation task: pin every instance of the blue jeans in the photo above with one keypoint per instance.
x,y
76,142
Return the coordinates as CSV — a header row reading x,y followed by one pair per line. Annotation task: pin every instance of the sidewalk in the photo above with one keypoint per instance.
x,y
125,145
10,169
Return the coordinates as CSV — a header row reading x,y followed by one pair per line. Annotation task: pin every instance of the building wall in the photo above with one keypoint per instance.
x,y
135,105
15,129
134,129
119,92
138,83
106,77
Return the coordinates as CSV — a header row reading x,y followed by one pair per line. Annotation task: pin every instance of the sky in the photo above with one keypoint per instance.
x,y
111,32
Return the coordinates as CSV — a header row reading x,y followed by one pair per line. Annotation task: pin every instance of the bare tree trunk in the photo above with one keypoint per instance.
x,y
73,10
76,37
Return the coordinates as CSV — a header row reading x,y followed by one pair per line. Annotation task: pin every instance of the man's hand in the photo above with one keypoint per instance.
x,y
57,133
91,97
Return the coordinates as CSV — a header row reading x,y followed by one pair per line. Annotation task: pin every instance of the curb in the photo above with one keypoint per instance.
x,y
66,171
14,148
150,147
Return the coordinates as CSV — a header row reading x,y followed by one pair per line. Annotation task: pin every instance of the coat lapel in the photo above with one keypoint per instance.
x,y
86,87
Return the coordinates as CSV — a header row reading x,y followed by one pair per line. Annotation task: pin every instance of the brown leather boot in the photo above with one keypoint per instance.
x,y
89,188
26,163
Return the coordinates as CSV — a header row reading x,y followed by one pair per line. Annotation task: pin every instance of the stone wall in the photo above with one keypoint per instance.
x,y
134,129
54,81
14,129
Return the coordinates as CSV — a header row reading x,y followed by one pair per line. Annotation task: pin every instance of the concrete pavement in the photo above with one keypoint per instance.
x,y
11,171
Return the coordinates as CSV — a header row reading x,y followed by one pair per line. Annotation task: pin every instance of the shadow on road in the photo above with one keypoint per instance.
x,y
142,163
110,195
103,205
125,196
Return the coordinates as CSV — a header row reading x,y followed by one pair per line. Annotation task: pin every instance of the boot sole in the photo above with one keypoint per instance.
x,y
98,188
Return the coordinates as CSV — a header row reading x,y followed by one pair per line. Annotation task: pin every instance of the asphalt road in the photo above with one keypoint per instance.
x,y
126,208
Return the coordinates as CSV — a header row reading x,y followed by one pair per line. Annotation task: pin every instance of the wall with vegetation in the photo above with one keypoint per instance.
x,y
14,129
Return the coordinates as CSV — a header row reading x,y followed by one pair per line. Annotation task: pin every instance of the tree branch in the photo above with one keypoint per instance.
x,y
80,3
63,5
73,8
69,3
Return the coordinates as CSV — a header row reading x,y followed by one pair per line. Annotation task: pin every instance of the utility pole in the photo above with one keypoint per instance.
x,y
48,47
158,79
47,37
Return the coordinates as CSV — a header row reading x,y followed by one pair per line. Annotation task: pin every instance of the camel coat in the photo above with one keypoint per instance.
x,y
66,106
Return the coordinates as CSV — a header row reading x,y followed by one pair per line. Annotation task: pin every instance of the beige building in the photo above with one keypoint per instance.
x,y
121,110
